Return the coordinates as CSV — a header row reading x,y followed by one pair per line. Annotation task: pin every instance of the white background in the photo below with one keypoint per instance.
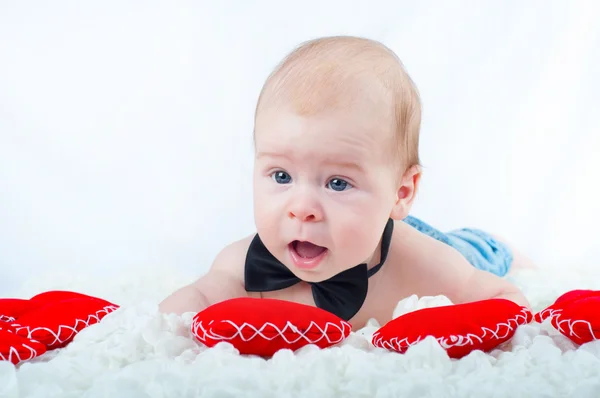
x,y
125,127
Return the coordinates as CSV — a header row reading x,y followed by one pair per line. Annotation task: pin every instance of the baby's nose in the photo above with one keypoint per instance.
x,y
305,208
303,216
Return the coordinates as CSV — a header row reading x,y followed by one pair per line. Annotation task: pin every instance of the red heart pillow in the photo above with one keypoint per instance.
x,y
263,326
575,295
460,329
15,348
576,315
55,323
59,295
563,300
12,308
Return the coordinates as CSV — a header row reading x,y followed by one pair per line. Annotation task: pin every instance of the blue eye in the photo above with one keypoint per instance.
x,y
337,184
281,177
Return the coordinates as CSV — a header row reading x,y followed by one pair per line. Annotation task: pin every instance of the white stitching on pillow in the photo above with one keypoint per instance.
x,y
91,319
570,323
204,333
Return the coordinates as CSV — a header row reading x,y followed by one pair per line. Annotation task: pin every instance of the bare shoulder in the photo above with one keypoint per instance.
x,y
418,249
223,281
231,258
424,263
225,278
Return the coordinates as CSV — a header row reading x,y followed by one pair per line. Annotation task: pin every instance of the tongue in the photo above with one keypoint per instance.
x,y
308,250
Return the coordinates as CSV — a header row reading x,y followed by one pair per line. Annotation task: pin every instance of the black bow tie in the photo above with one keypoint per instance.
x,y
343,294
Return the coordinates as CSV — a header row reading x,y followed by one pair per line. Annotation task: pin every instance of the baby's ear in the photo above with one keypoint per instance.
x,y
406,192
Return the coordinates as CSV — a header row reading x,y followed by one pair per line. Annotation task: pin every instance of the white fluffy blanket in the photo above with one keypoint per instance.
x,y
137,352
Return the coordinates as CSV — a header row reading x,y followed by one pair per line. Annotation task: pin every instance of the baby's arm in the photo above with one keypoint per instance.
x,y
480,285
223,281
436,268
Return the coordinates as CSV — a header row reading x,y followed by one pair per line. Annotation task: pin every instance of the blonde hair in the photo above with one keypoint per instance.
x,y
315,76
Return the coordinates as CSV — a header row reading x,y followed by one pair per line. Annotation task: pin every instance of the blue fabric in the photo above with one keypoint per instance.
x,y
477,246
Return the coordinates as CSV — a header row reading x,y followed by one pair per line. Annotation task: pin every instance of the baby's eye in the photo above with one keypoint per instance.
x,y
281,177
337,184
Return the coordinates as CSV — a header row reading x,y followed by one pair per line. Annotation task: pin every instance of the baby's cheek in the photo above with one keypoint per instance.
x,y
262,215
266,214
361,238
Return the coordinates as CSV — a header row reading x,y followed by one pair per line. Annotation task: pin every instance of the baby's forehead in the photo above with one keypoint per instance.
x,y
335,134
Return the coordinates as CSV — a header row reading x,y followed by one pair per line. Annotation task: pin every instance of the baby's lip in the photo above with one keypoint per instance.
x,y
305,241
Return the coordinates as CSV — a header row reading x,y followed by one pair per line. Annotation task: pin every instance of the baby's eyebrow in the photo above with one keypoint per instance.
x,y
329,161
263,154
346,164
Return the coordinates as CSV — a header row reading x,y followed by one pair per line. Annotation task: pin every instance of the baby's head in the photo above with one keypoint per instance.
x,y
336,144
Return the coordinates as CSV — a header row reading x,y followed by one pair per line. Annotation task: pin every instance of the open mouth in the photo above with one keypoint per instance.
x,y
306,254
307,249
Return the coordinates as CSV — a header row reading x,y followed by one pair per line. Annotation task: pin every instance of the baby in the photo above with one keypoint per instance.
x,y
336,173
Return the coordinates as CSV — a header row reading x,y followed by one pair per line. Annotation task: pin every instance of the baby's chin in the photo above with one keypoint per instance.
x,y
313,276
